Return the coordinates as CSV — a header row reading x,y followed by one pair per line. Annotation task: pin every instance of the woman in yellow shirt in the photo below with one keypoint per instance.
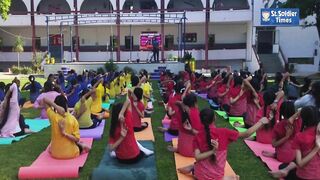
x,y
65,136
96,106
82,111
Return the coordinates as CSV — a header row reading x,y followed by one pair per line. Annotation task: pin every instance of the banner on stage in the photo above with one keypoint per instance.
x,y
146,40
280,17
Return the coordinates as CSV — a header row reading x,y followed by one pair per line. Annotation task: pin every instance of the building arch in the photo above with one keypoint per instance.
x,y
56,6
96,6
182,5
18,7
140,5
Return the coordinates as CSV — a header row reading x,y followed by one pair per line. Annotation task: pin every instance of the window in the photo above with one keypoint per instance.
x,y
169,42
127,40
113,41
38,43
190,37
212,39
301,60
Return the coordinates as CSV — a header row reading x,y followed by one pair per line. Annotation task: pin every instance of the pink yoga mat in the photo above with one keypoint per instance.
x,y
257,148
45,166
95,133
166,120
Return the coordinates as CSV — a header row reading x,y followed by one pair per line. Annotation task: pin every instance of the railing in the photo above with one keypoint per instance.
x,y
255,62
283,59
255,52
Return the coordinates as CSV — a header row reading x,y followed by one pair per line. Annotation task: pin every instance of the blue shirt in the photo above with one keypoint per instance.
x,y
74,97
2,95
34,90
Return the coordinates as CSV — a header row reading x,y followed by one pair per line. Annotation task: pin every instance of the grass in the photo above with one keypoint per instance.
x,y
23,153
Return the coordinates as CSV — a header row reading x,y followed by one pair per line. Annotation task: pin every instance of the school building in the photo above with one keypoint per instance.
x,y
218,33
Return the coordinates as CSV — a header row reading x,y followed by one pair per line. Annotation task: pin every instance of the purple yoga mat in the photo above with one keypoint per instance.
x,y
168,137
95,133
204,96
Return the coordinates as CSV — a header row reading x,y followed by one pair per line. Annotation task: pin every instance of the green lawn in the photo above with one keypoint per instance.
x,y
23,153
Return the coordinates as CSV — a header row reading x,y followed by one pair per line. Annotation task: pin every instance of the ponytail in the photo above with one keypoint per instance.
x,y
207,117
208,136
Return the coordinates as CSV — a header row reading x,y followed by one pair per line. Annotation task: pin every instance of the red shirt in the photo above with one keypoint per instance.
x,y
206,169
225,99
170,86
305,142
239,107
128,149
195,121
136,119
176,117
284,152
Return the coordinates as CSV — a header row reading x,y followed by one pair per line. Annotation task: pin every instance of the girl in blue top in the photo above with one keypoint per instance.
x,y
34,88
73,95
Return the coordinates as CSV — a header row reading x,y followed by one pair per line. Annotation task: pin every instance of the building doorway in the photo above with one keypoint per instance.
x,y
265,40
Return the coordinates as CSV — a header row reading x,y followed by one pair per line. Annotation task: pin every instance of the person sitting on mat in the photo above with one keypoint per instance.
x,y
137,109
96,107
173,111
283,133
82,111
270,110
211,147
223,93
48,92
307,148
34,88
11,121
73,95
122,140
65,134
188,127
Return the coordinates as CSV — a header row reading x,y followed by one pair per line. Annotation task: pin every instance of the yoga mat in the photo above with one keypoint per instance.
x,y
222,114
110,168
232,120
35,125
204,96
257,148
27,105
182,161
47,167
111,101
106,106
146,134
95,133
167,136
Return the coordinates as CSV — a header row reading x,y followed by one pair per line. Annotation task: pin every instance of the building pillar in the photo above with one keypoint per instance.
x,y
162,30
118,29
77,48
33,27
207,20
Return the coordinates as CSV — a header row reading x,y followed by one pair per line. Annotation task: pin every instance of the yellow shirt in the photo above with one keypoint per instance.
x,y
122,81
107,91
84,120
146,87
96,106
128,79
112,91
117,87
62,147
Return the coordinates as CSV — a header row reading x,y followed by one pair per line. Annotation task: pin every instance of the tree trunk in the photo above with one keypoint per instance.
x,y
19,61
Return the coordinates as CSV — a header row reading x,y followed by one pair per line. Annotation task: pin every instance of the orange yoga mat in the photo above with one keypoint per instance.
x,y
146,134
182,161
45,166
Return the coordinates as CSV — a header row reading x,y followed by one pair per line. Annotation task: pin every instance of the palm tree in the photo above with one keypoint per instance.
x,y
18,47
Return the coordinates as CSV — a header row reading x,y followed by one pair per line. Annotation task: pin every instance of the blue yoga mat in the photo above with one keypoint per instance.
x,y
35,125
110,168
106,106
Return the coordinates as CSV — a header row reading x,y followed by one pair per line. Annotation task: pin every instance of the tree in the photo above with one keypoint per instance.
x,y
4,8
307,8
18,47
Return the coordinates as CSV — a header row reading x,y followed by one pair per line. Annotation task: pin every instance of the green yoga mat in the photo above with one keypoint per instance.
x,y
240,120
222,114
35,125
110,168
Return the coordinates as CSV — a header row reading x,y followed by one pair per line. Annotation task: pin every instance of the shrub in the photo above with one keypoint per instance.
x,y
128,70
110,66
15,70
100,70
26,70
36,62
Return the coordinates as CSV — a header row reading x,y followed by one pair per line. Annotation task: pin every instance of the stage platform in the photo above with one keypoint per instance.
x,y
174,67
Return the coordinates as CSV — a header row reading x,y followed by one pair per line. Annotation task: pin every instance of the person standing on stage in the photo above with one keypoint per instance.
x,y
155,45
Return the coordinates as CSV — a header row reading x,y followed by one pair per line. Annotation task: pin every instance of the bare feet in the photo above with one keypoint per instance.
x,y
278,174
162,129
237,124
85,147
172,149
28,131
268,154
186,169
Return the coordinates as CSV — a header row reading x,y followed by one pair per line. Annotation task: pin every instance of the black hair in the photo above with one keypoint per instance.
x,y
190,100
286,110
226,79
315,91
237,81
309,116
62,102
178,87
50,76
2,85
79,78
255,83
6,108
74,82
278,77
48,86
207,117
83,92
269,97
33,84
135,80
138,92
116,109
94,81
